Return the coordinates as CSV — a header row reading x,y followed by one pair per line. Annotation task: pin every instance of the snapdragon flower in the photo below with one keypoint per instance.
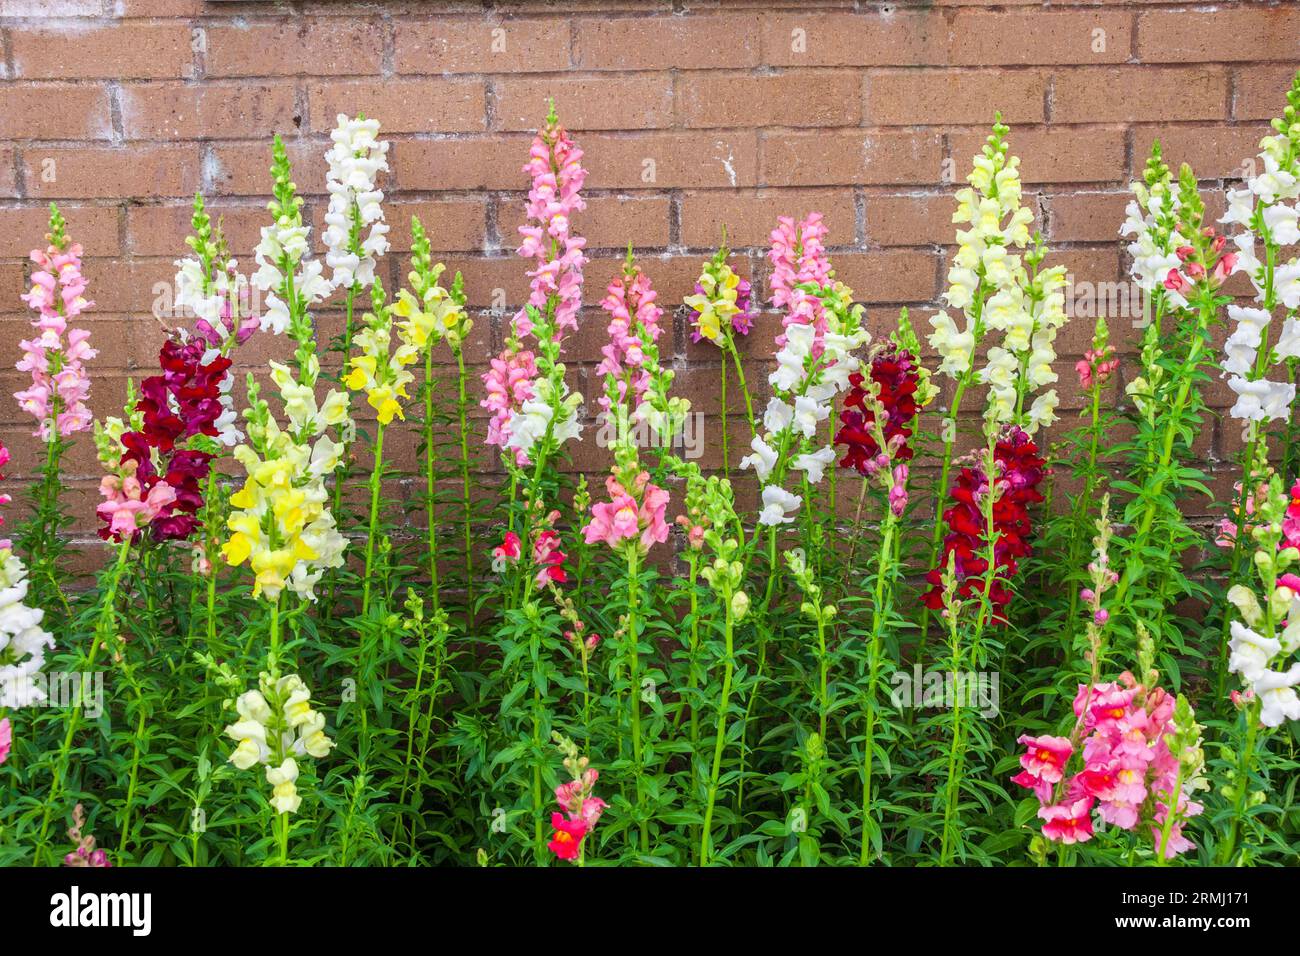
x,y
210,285
636,389
57,354
999,289
577,799
1266,635
813,366
1266,211
526,392
355,160
23,642
277,727
282,525
722,301
377,368
800,267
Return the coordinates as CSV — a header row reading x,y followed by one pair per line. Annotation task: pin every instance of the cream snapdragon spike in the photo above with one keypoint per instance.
x,y
277,727
1266,639
812,368
525,389
56,354
282,526
284,269
1266,212
990,284
356,234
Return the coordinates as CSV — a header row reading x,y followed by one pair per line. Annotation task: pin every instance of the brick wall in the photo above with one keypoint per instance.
x,y
692,114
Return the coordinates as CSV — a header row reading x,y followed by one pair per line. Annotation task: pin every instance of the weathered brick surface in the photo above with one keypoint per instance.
x,y
694,115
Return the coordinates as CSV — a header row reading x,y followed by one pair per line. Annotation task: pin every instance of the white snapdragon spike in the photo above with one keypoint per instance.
x,y
529,422
284,243
356,234
804,387
1266,212
22,641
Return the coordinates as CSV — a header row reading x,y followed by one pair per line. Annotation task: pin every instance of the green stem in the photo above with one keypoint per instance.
x,y
431,484
874,648
72,720
633,651
376,478
720,738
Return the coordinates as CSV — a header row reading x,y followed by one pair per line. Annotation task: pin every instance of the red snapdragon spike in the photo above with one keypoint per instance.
x,y
896,374
184,401
1020,470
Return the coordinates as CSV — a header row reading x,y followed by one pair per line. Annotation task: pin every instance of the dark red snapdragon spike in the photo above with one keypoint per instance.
x,y
1020,471
895,372
184,401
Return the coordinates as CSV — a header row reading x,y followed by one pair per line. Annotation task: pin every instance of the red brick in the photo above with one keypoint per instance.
x,y
118,52
1032,37
622,102
163,111
461,163
1052,155
54,111
402,105
1087,216
243,169
864,157
318,47
790,98
95,227
1260,91
476,45
1252,34
451,224
670,160
910,219
853,39
608,222
935,97
750,216
8,175
162,230
693,42
1214,152
1129,93
893,275
59,172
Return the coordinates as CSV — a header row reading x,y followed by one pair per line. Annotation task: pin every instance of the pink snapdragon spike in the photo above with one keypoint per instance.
x,y
630,302
506,553
509,381
85,854
555,165
635,515
1128,766
56,354
126,506
1096,365
798,256
6,739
